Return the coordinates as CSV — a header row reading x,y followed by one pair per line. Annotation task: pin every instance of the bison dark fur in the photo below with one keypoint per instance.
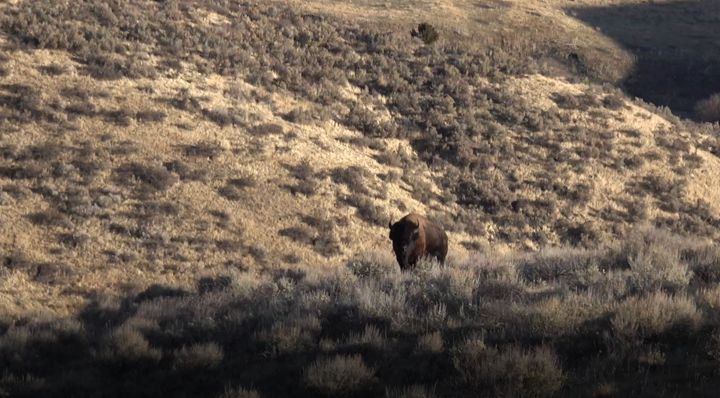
x,y
415,237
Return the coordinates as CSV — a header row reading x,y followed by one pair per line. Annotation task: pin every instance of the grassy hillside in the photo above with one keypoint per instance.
x,y
187,156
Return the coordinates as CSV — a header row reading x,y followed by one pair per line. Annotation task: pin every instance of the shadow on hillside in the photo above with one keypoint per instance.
x,y
114,352
166,341
677,46
368,331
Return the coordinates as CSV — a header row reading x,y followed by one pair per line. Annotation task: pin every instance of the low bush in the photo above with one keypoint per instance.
x,y
126,346
198,356
150,116
373,265
654,315
430,342
204,149
151,178
339,375
53,69
239,392
509,371
367,210
708,110
653,256
426,32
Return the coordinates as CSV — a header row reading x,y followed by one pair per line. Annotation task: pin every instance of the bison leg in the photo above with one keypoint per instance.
x,y
443,253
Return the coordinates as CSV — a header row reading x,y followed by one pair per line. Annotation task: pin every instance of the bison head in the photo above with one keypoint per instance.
x,y
404,235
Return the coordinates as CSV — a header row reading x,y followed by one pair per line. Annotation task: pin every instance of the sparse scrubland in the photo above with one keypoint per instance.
x,y
194,199
573,322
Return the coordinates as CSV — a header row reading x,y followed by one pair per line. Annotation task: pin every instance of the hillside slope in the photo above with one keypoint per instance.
x,y
156,143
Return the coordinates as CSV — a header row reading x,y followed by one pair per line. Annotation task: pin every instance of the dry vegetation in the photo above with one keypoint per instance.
x,y
568,322
185,187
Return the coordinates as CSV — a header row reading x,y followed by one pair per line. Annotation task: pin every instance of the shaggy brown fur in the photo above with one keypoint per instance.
x,y
414,237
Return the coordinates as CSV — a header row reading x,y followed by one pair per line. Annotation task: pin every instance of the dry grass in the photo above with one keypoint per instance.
x,y
482,112
482,325
476,326
161,162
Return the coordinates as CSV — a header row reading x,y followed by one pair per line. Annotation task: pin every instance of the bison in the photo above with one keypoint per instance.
x,y
414,237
